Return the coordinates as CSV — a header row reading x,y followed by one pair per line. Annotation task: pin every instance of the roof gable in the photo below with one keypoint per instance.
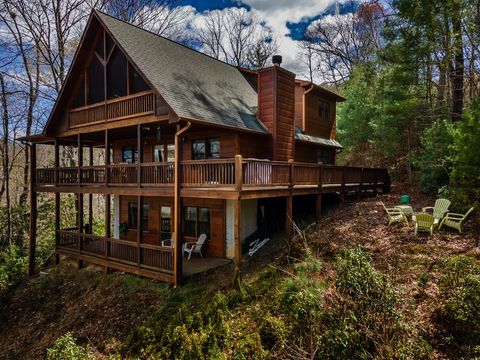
x,y
193,84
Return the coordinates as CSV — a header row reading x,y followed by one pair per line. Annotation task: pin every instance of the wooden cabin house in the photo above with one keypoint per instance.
x,y
191,145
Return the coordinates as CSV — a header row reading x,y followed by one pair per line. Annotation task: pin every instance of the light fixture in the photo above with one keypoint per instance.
x,y
159,133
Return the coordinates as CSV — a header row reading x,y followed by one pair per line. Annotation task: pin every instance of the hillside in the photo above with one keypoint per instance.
x,y
396,295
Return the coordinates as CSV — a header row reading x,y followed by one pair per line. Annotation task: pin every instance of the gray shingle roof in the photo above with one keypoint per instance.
x,y
194,85
299,135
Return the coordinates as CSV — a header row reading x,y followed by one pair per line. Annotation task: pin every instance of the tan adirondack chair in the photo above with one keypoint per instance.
x,y
440,208
395,215
424,222
455,220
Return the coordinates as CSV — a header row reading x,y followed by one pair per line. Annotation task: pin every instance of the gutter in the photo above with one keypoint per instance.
x,y
177,251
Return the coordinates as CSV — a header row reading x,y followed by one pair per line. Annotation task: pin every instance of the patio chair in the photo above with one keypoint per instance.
x,y
424,222
195,247
395,215
455,220
169,242
440,208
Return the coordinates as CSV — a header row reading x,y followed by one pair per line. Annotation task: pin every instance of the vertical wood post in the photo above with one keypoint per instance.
x,y
139,227
237,233
57,226
291,174
342,190
33,210
107,158
177,207
238,173
289,218
140,154
318,203
80,225
57,160
107,224
90,195
80,158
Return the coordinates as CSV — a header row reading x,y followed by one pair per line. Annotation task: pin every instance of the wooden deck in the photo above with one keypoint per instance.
x,y
225,178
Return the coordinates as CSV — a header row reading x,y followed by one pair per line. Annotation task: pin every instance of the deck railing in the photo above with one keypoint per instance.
x,y
235,173
125,107
145,256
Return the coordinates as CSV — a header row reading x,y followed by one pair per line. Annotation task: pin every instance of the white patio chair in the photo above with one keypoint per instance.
x,y
195,247
169,242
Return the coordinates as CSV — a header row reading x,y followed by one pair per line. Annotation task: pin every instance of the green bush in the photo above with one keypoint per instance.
x,y
273,331
13,265
66,348
455,269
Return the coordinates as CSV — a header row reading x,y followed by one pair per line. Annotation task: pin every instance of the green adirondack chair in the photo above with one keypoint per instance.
x,y
424,222
395,215
455,220
440,208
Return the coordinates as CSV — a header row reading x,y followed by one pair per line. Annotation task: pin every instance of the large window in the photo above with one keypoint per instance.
x,y
96,84
130,154
165,222
196,221
164,153
206,149
324,156
324,109
117,75
133,216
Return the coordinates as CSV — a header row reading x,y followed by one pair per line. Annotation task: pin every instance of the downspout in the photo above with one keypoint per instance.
x,y
305,105
177,256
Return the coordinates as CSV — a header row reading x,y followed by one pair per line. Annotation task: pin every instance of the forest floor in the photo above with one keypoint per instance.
x,y
104,309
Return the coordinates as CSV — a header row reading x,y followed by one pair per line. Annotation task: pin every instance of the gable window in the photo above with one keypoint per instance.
x,y
196,221
137,84
206,149
323,109
324,156
96,85
130,154
116,75
133,216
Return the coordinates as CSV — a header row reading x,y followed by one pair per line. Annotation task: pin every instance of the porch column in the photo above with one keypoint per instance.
x,y
80,158
33,210
318,203
80,225
237,225
107,227
342,191
107,157
140,154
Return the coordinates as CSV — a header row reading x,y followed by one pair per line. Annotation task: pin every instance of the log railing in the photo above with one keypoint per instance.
x,y
125,107
146,256
224,173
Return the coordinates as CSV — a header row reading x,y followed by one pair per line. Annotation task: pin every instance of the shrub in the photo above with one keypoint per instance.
x,y
455,269
66,347
273,331
13,265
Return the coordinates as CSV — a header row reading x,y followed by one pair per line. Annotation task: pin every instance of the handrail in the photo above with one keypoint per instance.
x,y
237,173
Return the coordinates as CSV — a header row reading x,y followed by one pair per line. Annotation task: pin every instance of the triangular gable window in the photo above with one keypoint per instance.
x,y
117,75
95,81
137,84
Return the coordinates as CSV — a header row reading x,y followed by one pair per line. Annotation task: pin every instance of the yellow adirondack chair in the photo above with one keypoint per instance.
x,y
440,208
395,215
455,220
424,222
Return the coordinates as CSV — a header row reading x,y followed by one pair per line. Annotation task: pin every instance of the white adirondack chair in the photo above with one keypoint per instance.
x,y
195,247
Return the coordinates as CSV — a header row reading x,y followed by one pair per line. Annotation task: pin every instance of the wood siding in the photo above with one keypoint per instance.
x,y
307,153
314,125
215,245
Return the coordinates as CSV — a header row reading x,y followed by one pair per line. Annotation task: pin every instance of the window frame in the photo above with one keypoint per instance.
x,y
198,210
132,220
324,109
207,148
134,151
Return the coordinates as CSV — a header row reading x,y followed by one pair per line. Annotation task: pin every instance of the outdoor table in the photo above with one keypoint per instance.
x,y
406,209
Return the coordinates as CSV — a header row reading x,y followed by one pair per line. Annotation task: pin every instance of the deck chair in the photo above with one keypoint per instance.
x,y
195,247
455,220
169,242
424,222
395,215
440,208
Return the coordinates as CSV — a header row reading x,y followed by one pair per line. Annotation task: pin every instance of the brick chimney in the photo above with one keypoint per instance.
x,y
276,108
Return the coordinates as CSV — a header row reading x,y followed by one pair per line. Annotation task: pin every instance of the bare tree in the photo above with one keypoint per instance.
x,y
237,36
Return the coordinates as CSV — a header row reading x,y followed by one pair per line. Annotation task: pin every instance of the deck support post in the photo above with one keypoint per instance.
x,y
342,190
318,203
57,226
238,173
139,228
177,207
33,210
359,193
57,200
79,197
289,202
107,225
237,233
